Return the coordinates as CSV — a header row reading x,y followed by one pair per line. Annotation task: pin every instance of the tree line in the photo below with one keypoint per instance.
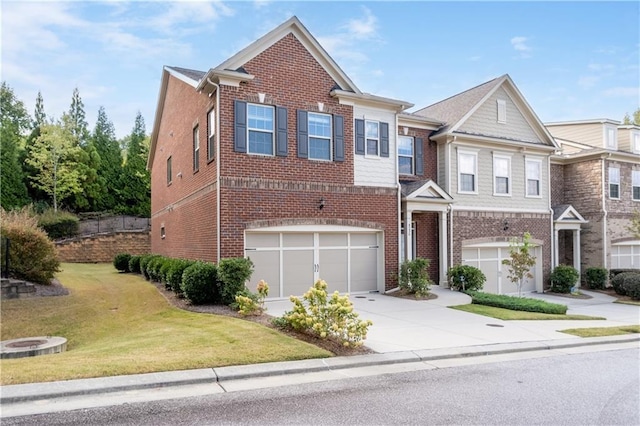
x,y
61,164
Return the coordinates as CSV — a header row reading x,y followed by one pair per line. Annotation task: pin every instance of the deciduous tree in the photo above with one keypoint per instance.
x,y
520,261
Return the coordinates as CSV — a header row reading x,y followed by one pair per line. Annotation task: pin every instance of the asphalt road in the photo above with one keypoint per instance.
x,y
599,388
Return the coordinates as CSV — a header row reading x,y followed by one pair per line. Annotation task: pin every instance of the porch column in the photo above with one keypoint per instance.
x,y
443,250
408,236
576,251
556,247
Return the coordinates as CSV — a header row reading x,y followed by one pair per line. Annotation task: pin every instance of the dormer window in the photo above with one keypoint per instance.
x,y
611,137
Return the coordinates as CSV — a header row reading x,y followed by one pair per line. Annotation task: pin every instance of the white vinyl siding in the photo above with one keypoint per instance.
x,y
375,170
533,174
501,175
614,183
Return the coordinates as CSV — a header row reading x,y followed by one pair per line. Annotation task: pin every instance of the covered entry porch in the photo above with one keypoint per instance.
x,y
567,223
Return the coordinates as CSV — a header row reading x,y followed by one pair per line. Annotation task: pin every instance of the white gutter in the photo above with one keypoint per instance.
x,y
218,241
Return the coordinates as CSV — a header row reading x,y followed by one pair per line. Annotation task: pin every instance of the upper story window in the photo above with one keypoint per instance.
x,y
502,111
260,127
501,175
635,142
635,185
467,172
533,172
319,136
614,182
611,137
211,134
372,136
405,155
169,172
196,149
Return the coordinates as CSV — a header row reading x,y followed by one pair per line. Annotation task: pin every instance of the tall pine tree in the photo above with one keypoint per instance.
x,y
110,170
14,123
135,185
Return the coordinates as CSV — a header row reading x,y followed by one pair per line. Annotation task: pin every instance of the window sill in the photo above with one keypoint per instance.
x,y
468,193
501,195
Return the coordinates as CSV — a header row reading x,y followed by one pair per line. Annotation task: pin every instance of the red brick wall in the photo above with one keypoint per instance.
x,y
557,184
103,247
430,155
427,241
472,225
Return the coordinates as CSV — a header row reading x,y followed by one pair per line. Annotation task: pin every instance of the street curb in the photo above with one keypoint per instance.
x,y
68,388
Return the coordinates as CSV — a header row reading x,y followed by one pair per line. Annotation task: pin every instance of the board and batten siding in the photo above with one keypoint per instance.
x,y
376,171
484,121
485,198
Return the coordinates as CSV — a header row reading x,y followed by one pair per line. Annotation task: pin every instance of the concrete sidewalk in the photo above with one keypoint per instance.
x,y
404,332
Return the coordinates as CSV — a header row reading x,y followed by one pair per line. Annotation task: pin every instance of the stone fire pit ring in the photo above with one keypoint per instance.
x,y
32,346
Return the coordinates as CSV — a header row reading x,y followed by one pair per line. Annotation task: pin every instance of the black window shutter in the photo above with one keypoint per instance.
x,y
338,138
240,139
360,137
303,135
384,139
281,134
419,156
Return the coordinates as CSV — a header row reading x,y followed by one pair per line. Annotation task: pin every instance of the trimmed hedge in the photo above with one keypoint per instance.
x,y
59,224
233,273
134,264
632,285
596,278
200,283
618,282
516,303
174,274
121,262
563,278
144,264
466,278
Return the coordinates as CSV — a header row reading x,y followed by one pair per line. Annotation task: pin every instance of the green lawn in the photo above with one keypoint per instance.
x,y
508,314
120,324
602,331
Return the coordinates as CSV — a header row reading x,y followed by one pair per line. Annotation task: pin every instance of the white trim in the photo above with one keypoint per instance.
x,y
610,137
313,228
412,156
635,184
508,176
474,154
533,160
461,208
329,138
611,182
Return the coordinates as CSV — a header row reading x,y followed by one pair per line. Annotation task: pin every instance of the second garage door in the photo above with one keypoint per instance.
x,y
292,261
488,258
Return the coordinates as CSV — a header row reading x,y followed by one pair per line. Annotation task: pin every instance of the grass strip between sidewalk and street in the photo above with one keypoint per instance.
x,y
120,324
508,314
602,331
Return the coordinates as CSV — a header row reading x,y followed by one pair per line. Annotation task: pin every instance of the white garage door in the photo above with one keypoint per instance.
x,y
625,255
292,261
488,258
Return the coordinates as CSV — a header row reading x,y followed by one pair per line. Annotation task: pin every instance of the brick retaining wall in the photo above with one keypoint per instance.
x,y
103,247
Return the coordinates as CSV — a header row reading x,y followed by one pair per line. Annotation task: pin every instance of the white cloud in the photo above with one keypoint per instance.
x,y
519,43
601,67
184,12
623,92
587,82
363,28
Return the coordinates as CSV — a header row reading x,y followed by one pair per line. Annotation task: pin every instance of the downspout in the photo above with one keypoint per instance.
x,y
448,176
218,240
554,254
399,189
604,217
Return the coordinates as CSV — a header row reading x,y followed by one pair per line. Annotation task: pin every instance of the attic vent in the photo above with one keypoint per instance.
x,y
502,111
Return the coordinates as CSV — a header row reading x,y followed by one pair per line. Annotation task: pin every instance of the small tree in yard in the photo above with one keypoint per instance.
x,y
520,261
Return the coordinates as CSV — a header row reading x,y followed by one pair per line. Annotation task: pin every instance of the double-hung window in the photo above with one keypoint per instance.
x,y
260,127
196,149
405,155
211,134
319,127
614,182
467,172
501,175
169,172
372,137
533,177
635,185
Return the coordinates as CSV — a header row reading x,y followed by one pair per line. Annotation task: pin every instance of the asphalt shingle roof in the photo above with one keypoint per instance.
x,y
192,74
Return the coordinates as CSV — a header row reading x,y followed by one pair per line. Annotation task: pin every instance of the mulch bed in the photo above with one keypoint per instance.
x,y
404,294
569,295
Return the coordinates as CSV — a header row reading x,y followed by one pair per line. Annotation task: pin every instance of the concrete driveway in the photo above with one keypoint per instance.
x,y
405,325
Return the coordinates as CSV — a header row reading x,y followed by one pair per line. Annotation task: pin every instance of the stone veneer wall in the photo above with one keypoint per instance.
x,y
103,247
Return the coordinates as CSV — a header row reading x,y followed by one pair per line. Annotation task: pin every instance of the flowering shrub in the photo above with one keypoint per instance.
x,y
327,318
249,303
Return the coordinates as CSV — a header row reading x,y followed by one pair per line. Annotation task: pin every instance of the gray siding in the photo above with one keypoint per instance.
x,y
484,121
589,133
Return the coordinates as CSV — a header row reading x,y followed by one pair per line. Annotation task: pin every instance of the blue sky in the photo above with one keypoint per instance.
x,y
571,60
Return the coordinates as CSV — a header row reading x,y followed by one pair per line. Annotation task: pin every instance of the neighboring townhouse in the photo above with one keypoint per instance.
x,y
493,159
596,180
276,155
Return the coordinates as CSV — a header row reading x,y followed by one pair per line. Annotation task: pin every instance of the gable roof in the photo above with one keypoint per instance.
x,y
567,213
295,27
424,190
455,110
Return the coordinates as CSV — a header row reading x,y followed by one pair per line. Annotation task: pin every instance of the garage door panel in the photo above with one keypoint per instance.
x,y
368,239
259,240
266,267
333,239
364,269
297,240
491,271
334,269
297,272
